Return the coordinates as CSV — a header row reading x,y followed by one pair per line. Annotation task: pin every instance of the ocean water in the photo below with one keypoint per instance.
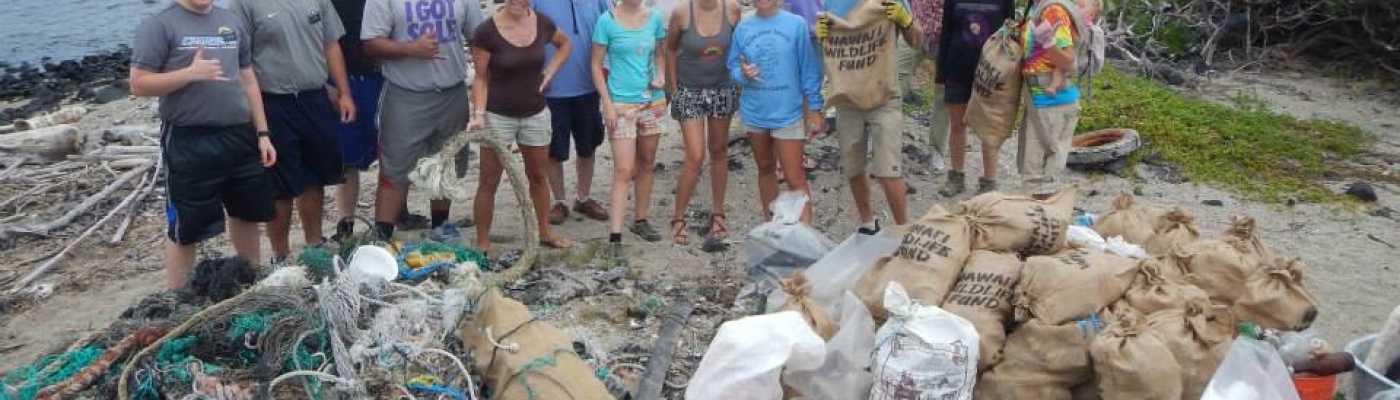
x,y
67,29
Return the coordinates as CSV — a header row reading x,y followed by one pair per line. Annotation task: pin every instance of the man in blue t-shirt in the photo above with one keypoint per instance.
x,y
574,107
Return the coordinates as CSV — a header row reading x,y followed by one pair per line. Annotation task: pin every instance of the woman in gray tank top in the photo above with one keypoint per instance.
x,y
703,99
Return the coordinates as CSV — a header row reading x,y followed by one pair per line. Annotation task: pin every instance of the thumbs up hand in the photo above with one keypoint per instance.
x,y
205,69
426,46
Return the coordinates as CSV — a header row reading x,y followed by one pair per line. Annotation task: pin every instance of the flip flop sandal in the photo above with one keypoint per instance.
x,y
680,234
719,226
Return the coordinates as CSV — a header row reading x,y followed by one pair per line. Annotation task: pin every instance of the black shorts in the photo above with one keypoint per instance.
x,y
956,71
210,170
308,147
579,118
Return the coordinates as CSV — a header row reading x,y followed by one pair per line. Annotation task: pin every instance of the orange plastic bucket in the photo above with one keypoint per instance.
x,y
1315,387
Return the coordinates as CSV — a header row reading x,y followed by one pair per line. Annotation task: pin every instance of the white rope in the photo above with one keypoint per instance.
x,y
513,347
294,374
436,175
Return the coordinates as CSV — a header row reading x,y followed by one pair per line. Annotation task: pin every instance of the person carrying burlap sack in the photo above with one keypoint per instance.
x,y
927,262
858,51
525,359
1132,362
971,25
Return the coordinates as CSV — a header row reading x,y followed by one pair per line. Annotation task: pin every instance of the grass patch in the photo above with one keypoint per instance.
x,y
1246,148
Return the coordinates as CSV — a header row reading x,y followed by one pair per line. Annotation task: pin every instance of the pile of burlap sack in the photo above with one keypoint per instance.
x,y
1058,322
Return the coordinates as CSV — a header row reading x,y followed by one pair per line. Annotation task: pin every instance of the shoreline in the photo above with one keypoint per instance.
x,y
29,88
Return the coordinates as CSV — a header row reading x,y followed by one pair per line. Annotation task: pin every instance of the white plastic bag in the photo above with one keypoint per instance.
x,y
778,247
1119,247
845,373
1085,238
923,352
837,272
748,355
1252,370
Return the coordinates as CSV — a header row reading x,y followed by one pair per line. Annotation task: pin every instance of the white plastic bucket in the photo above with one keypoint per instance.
x,y
1366,383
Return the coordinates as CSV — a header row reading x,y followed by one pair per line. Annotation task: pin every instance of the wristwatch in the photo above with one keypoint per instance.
x,y
263,134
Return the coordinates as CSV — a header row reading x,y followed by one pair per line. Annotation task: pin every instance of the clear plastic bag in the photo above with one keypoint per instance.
x,y
837,272
780,246
1252,370
1119,247
1085,238
845,373
747,356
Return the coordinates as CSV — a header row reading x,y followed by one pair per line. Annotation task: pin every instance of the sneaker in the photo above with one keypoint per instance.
x,y
591,209
344,230
647,232
868,231
985,185
558,214
412,222
447,233
956,184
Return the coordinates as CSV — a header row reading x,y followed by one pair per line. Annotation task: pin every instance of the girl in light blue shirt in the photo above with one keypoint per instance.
x,y
628,40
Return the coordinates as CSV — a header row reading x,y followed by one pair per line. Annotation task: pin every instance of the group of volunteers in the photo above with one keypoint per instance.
x,y
267,102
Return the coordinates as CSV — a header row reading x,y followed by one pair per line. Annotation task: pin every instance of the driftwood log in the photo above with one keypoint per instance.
x,y
44,145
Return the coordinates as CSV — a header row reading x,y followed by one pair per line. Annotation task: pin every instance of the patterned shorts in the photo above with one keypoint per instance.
x,y
638,119
692,102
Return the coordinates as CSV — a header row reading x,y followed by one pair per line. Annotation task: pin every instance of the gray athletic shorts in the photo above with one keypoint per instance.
x,y
413,125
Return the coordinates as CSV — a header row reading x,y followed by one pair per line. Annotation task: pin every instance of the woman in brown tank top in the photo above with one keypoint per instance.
x,y
703,99
509,53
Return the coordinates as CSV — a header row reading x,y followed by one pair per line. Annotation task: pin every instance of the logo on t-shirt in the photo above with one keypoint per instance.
x,y
440,16
225,39
713,51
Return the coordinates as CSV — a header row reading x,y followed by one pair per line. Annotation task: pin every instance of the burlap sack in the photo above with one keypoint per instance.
x,y
1244,229
1134,363
1198,339
1175,229
554,372
1019,224
860,58
1041,361
1134,222
1075,283
927,262
1274,297
799,298
1155,289
1219,267
996,87
983,296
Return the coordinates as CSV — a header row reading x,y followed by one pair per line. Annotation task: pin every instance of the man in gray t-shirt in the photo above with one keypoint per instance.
x,y
421,44
196,58
295,48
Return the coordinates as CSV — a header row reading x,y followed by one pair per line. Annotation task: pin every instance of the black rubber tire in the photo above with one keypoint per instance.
x,y
1126,142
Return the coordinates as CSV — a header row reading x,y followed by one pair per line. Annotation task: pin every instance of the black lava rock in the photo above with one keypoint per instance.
x,y
1362,190
1213,203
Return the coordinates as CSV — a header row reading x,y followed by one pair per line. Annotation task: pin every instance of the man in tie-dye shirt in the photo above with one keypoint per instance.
x,y
1052,110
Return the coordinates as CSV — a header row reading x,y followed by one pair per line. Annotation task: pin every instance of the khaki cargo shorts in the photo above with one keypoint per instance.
x,y
872,140
535,130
